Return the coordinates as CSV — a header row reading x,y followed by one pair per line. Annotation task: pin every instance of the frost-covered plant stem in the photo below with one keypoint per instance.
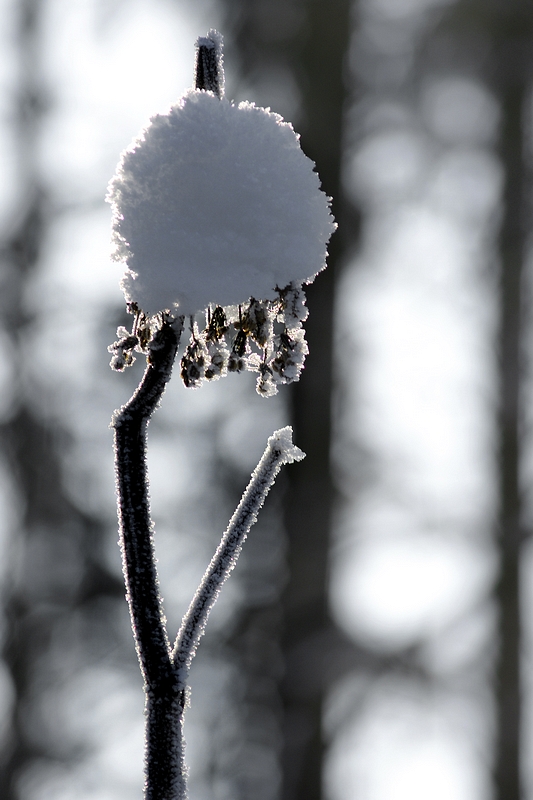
x,y
165,671
165,698
208,71
223,347
280,450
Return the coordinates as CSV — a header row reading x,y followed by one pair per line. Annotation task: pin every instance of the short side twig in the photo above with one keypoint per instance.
x,y
280,450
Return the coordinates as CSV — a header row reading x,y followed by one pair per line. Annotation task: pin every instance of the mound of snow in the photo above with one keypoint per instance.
x,y
215,203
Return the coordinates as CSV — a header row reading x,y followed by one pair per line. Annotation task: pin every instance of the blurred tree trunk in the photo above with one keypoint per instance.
x,y
309,39
511,80
56,546
506,28
510,71
320,71
303,46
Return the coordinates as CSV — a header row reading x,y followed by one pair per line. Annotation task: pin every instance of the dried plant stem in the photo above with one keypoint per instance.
x,y
165,778
280,450
165,671
208,70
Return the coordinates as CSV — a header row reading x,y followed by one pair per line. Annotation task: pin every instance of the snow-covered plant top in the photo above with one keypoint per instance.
x,y
216,209
219,219
215,203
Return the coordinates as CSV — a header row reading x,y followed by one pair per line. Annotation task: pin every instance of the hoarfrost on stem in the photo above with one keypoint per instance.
x,y
280,450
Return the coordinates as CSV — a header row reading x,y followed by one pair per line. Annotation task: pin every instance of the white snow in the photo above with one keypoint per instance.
x,y
215,203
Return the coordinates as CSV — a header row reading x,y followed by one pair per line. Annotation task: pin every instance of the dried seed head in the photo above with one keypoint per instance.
x,y
193,361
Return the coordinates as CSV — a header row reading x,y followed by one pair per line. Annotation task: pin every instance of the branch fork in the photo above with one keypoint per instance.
x,y
165,668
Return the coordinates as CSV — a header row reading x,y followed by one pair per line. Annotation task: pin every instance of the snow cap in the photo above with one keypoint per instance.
x,y
215,203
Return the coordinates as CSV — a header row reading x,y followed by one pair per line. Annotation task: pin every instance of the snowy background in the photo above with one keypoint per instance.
x,y
413,561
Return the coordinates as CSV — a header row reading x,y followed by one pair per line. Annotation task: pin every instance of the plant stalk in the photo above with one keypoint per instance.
x,y
165,697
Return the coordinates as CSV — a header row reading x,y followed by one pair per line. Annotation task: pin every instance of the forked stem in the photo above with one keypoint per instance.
x,y
165,672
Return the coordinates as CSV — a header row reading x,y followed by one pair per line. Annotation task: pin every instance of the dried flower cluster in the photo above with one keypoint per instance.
x,y
263,336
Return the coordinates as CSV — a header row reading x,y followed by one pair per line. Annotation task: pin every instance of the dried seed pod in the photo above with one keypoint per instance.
x,y
122,355
290,356
217,325
258,322
235,363
217,363
144,332
193,361
266,385
293,308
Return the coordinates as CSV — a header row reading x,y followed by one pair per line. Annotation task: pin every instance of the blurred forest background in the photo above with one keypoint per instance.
x,y
375,641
